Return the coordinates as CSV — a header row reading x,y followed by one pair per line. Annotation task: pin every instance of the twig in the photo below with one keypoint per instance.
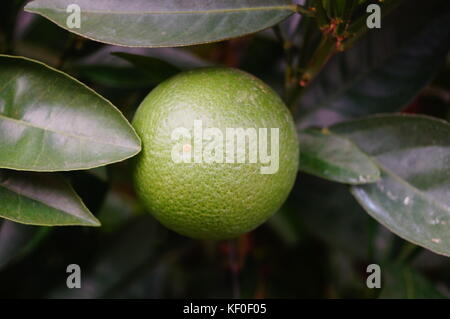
x,y
310,12
287,49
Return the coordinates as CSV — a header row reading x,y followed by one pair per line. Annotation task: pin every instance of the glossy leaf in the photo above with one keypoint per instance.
x,y
168,23
51,122
412,198
181,58
384,71
41,199
333,157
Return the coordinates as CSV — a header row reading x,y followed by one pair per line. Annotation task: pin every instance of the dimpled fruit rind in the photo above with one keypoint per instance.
x,y
212,200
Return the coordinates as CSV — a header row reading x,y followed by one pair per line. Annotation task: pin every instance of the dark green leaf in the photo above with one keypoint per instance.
x,y
384,71
99,172
123,257
16,240
158,23
180,58
402,282
283,227
41,199
333,157
118,207
157,70
329,212
412,198
50,122
146,71
114,76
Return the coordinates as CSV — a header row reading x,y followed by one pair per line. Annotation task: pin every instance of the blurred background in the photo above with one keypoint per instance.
x,y
317,246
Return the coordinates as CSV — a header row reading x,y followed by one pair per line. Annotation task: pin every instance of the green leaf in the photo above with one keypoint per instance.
x,y
114,76
157,70
333,157
384,71
145,71
412,198
166,23
402,282
330,213
180,58
51,122
16,240
122,258
41,199
100,172
118,208
284,227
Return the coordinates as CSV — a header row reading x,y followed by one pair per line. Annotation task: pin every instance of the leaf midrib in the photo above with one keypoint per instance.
x,y
375,160
344,168
422,194
82,137
289,7
29,197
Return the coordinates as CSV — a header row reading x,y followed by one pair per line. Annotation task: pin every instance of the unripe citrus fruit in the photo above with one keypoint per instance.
x,y
220,153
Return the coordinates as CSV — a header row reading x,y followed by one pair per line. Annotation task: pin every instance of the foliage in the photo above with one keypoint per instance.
x,y
371,108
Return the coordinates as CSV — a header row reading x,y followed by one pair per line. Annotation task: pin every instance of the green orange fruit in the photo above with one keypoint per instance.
x,y
197,172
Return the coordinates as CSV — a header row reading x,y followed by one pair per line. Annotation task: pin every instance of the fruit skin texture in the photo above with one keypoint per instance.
x,y
216,200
